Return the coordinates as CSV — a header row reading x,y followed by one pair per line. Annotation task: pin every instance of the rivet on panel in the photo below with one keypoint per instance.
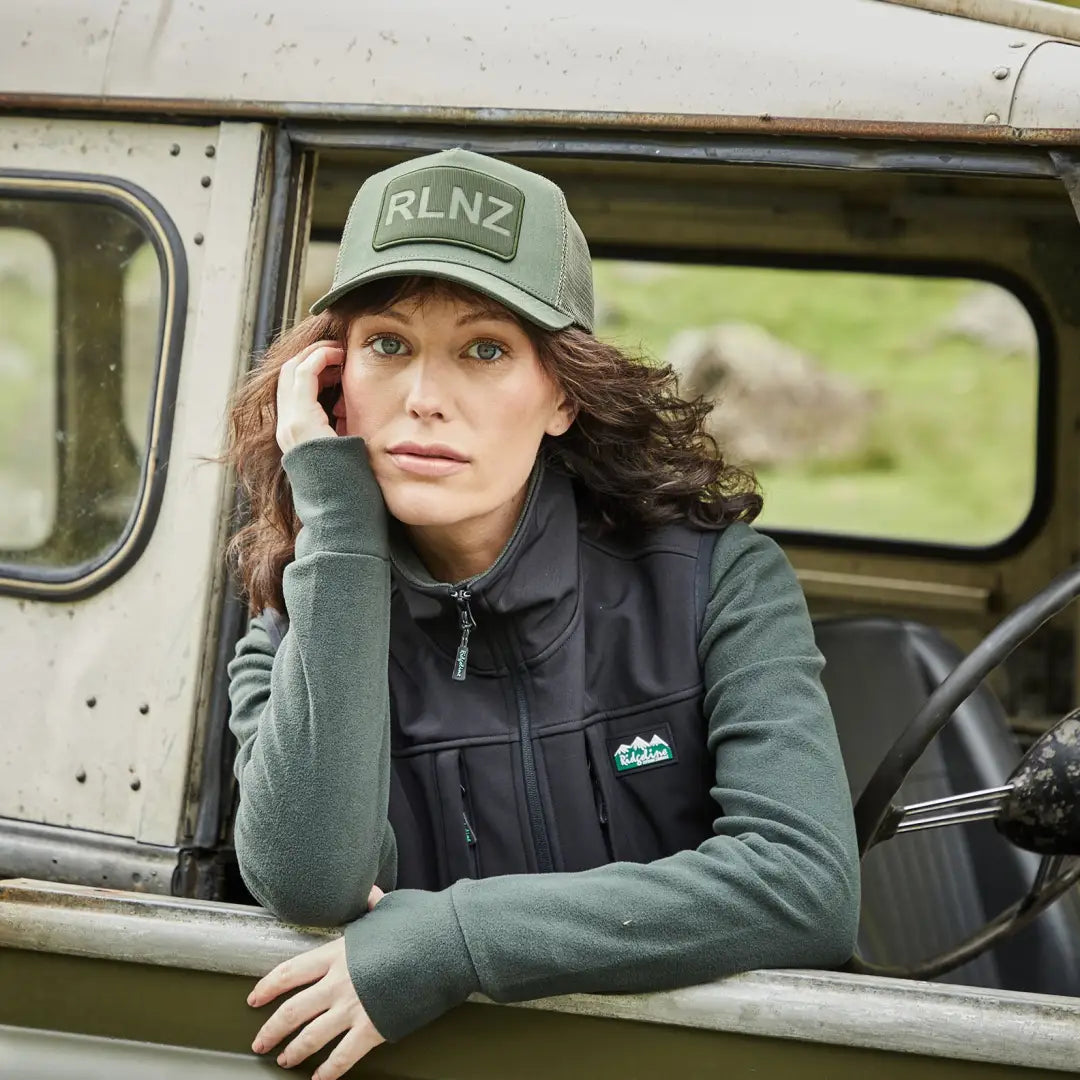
x,y
1001,73
1018,45
144,708
174,149
136,783
198,238
211,151
81,776
91,702
205,181
992,118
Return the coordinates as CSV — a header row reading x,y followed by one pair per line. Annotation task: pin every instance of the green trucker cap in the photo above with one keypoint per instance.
x,y
500,229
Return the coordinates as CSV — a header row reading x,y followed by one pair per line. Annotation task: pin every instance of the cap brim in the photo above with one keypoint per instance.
x,y
517,300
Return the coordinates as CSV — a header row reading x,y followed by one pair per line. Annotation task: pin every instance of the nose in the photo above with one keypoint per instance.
x,y
426,397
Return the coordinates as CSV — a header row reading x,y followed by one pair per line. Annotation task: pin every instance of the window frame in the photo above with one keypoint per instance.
x,y
65,583
934,156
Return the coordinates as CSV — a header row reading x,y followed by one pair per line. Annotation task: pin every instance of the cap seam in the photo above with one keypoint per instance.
x,y
435,258
341,245
452,262
562,252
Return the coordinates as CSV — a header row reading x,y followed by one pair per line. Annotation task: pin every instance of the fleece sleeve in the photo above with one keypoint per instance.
x,y
312,721
776,885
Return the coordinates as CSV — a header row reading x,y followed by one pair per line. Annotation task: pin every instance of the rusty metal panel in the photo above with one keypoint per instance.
x,y
836,62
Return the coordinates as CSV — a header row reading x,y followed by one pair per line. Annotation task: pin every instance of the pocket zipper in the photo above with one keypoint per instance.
x,y
601,810
470,837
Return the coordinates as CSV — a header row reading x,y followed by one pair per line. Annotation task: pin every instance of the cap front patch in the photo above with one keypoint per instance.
x,y
645,749
452,205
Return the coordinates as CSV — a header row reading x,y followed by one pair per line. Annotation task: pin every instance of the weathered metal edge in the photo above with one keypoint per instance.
x,y
1031,15
47,852
958,1022
29,1053
438,114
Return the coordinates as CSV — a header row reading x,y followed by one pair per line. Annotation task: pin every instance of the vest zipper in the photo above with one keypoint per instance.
x,y
466,622
541,841
537,825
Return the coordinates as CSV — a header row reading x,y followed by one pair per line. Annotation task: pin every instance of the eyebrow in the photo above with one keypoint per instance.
x,y
468,317
482,316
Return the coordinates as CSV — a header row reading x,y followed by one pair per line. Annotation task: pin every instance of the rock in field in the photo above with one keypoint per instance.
x,y
774,403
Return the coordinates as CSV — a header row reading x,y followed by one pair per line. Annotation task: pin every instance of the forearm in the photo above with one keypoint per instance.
x,y
777,885
312,720
731,905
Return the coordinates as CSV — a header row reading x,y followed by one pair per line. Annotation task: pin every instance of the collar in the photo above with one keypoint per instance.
x,y
522,603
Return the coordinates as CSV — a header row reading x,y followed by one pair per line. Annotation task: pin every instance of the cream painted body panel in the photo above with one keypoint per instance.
x,y
1047,94
145,639
851,60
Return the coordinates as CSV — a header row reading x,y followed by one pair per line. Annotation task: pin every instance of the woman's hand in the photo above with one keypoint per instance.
x,y
300,417
327,1008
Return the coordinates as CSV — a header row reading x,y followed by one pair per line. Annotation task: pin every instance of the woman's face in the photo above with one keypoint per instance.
x,y
452,403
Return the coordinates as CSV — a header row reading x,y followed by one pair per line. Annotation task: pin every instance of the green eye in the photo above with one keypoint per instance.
x,y
393,345
486,350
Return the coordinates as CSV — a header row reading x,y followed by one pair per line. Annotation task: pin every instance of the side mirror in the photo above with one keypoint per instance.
x,y
1041,811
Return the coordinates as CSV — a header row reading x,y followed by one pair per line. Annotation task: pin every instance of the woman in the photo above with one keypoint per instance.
x,y
521,663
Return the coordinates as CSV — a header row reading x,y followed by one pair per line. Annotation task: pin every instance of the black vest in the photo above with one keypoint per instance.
x,y
576,736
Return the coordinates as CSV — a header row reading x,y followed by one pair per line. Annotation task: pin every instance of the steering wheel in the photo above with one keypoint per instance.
x,y
878,819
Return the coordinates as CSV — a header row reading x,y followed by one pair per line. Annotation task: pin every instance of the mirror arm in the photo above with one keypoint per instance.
x,y
951,810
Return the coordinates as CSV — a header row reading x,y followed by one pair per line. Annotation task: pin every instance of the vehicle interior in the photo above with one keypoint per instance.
x,y
897,596
912,538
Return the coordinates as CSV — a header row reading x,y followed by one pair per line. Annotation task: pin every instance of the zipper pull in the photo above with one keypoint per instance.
x,y
467,622
470,836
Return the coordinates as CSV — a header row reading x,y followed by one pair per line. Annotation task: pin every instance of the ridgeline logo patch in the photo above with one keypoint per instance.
x,y
452,205
644,750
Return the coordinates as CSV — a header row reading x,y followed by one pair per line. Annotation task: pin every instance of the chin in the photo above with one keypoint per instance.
x,y
424,504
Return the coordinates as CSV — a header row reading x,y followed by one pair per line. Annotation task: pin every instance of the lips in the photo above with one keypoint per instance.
x,y
432,460
436,451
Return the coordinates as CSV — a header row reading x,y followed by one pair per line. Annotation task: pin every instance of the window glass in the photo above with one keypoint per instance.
x,y
27,389
868,404
80,301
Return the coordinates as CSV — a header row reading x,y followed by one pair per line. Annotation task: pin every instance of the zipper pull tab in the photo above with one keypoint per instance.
x,y
470,836
467,622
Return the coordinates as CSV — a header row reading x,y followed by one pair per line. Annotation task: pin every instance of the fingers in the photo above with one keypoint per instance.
x,y
358,1042
374,896
311,368
300,416
314,1037
297,971
289,1016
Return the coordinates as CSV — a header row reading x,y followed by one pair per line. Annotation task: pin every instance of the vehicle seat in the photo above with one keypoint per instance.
x,y
926,891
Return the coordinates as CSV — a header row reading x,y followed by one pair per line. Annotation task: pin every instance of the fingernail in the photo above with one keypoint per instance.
x,y
281,1060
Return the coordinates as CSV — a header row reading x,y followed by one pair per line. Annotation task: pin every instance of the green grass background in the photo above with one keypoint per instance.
x,y
950,456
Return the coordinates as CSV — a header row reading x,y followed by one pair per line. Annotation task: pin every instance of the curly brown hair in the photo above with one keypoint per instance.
x,y
640,451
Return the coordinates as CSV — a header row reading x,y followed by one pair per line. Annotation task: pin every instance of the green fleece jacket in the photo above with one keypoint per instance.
x,y
777,885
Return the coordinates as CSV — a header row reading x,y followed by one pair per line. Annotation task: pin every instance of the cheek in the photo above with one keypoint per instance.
x,y
520,411
366,400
